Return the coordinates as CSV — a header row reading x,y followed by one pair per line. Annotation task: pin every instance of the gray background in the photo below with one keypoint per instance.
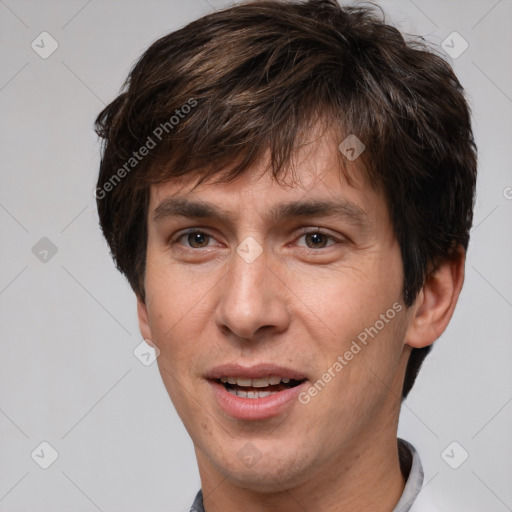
x,y
68,375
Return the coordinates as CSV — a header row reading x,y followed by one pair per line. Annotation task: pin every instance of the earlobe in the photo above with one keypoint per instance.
x,y
142,314
436,301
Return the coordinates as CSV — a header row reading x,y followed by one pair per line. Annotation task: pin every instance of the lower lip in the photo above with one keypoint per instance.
x,y
255,408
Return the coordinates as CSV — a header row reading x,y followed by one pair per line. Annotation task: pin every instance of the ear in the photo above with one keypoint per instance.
x,y
436,301
142,313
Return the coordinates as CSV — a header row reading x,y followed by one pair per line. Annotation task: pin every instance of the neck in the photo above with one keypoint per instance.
x,y
367,479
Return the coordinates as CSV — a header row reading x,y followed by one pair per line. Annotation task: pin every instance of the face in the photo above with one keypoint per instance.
x,y
295,280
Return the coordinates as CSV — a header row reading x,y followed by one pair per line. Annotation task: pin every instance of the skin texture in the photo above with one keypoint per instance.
x,y
300,304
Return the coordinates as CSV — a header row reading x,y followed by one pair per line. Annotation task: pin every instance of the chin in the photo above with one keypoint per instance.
x,y
263,480
273,472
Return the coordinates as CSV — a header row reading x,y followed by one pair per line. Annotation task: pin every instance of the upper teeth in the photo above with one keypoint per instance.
x,y
257,383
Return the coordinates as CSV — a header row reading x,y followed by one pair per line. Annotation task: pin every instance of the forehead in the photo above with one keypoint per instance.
x,y
317,182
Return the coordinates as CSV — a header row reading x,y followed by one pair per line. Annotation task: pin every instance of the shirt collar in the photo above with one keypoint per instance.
x,y
411,467
414,476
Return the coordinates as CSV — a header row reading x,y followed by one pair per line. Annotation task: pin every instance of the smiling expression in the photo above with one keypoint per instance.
x,y
254,279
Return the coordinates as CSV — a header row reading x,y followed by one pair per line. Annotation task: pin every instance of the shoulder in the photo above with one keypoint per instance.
x,y
425,502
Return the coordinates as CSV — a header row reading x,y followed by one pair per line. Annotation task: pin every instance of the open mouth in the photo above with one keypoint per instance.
x,y
259,392
257,388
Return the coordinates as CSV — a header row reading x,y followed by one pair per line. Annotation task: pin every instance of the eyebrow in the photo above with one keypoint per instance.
x,y
181,207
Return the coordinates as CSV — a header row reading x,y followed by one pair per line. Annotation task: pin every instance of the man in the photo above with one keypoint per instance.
x,y
288,187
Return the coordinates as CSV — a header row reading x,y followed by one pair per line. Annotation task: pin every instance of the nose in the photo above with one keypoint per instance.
x,y
252,301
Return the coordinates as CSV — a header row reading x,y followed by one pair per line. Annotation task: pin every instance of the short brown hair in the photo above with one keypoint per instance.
x,y
255,76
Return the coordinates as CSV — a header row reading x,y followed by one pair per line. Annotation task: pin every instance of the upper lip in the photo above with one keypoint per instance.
x,y
254,372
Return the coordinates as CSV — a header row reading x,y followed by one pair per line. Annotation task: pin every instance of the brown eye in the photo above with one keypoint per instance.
x,y
197,238
194,239
318,240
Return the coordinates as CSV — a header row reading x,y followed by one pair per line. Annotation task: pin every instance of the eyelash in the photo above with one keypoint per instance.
x,y
303,233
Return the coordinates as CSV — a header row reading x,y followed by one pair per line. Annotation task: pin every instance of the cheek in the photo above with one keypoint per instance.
x,y
347,301
361,313
176,295
168,321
